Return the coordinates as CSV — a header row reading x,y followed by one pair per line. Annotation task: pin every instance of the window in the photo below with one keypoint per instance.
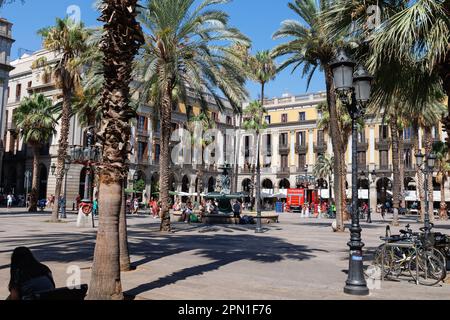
x,y
18,90
301,138
407,133
157,152
361,159
142,121
284,118
268,144
247,146
320,137
435,133
408,161
7,94
284,139
284,161
142,150
229,121
302,116
214,116
384,159
384,132
361,136
302,161
30,84
268,119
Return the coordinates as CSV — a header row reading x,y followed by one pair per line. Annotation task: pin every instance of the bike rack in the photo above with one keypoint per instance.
x,y
400,245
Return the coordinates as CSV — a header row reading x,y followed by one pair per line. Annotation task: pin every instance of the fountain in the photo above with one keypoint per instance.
x,y
223,196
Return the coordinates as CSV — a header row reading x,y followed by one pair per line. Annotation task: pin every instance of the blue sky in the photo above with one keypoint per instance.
x,y
258,19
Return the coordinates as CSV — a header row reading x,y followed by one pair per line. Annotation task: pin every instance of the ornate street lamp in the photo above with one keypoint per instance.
x,y
354,89
427,167
67,164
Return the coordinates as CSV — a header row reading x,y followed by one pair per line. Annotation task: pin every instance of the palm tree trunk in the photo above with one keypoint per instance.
x,y
121,40
62,150
237,153
401,154
34,186
337,143
429,183
125,263
395,164
420,183
164,163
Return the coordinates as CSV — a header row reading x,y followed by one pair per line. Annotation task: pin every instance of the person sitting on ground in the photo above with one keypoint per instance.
x,y
28,276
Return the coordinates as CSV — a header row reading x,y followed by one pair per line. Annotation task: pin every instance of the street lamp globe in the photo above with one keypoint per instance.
x,y
419,158
362,81
431,161
342,67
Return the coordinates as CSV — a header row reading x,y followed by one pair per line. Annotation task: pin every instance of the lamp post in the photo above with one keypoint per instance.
x,y
354,89
67,163
426,165
28,175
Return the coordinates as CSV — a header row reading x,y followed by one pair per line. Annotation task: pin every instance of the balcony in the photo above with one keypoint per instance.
x,y
284,149
143,161
363,168
301,148
363,145
410,170
320,147
143,133
408,143
383,144
383,169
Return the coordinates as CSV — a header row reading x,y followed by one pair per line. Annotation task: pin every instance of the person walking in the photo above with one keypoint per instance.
x,y
136,206
9,200
95,207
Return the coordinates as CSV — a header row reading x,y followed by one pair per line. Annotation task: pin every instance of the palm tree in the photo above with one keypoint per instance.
x,y
323,169
440,149
121,40
254,120
35,119
309,45
262,70
68,39
186,53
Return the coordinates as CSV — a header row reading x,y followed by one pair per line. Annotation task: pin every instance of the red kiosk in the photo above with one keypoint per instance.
x,y
296,198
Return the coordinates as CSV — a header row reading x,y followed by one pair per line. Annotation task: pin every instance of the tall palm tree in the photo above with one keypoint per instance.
x,y
35,119
68,39
186,54
323,169
309,46
440,149
121,40
262,70
254,120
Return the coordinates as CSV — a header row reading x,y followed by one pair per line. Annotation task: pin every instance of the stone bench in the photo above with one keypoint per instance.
x,y
219,219
266,218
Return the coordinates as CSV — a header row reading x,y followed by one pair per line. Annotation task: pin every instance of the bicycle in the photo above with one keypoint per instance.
x,y
410,252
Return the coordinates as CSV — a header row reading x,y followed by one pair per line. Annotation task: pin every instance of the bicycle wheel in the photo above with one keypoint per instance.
x,y
383,259
428,269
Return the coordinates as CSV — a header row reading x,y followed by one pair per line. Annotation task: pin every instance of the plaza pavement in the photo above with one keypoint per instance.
x,y
294,259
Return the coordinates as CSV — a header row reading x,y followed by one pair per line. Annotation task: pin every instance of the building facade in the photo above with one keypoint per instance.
x,y
293,142
6,42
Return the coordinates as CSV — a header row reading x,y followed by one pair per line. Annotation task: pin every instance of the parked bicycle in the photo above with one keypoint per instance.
x,y
412,253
